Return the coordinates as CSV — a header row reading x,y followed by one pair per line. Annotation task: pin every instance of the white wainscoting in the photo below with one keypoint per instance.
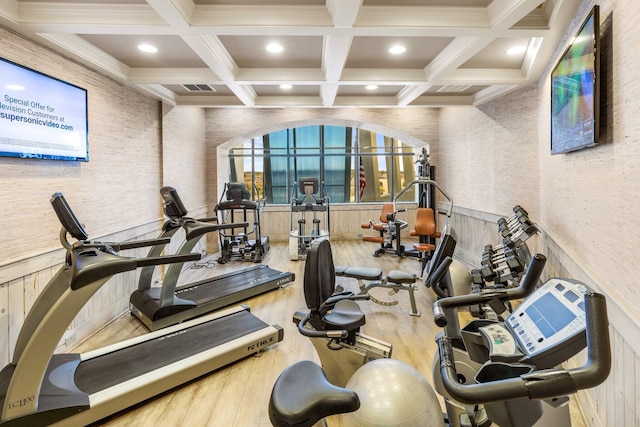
x,y
21,282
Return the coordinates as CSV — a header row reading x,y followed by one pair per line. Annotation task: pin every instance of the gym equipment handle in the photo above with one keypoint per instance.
x,y
528,284
312,333
167,259
543,384
140,244
424,181
435,277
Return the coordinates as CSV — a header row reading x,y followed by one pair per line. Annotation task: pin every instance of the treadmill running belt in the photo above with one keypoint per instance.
x,y
219,287
97,374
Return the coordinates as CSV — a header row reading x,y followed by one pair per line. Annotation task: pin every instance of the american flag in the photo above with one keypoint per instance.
x,y
361,179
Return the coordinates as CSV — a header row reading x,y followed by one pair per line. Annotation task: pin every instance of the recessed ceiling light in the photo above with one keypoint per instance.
x,y
285,86
274,48
516,50
371,87
397,49
147,48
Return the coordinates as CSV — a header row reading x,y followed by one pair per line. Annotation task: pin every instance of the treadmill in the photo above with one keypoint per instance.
x,y
40,388
169,304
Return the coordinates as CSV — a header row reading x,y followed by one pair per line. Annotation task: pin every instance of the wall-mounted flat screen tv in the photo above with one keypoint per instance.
x,y
41,117
575,91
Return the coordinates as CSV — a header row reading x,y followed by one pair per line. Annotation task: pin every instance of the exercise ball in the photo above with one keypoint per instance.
x,y
460,278
392,393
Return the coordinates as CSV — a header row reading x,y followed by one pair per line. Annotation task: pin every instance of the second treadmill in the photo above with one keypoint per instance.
x,y
169,304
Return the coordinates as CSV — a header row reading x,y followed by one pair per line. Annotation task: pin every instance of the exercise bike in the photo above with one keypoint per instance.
x,y
517,382
334,320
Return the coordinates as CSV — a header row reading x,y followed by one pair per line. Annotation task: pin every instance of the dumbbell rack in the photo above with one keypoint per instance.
x,y
503,265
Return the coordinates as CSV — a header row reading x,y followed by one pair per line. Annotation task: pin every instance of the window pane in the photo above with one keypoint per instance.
x,y
336,155
307,137
337,140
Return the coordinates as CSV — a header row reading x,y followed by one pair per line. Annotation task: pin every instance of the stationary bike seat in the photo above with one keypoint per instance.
x,y
302,396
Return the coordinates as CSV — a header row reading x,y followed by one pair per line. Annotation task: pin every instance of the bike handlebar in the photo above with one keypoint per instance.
x,y
442,307
543,384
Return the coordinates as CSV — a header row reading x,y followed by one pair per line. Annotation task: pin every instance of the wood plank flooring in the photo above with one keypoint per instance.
x,y
238,394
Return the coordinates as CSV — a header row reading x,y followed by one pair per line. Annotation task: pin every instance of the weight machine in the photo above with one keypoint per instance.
x,y
239,207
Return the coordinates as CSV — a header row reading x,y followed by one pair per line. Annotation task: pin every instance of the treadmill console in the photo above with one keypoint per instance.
x,y
173,206
67,218
549,325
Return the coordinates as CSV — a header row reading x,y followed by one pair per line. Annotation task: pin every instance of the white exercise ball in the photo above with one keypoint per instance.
x,y
460,278
392,393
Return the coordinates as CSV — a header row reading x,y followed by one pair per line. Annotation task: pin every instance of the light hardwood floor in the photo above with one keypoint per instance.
x,y
238,395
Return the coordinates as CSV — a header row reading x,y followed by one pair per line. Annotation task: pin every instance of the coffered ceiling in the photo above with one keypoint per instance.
x,y
213,52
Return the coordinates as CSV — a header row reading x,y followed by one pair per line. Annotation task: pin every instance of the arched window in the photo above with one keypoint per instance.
x,y
355,165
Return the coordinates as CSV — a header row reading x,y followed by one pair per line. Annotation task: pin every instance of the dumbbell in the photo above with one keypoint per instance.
x,y
498,257
520,236
520,233
505,228
519,215
497,251
509,267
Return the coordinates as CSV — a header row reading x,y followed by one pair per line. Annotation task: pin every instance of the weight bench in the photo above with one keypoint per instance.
x,y
395,280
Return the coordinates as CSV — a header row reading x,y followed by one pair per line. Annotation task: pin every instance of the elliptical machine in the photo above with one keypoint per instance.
x,y
300,236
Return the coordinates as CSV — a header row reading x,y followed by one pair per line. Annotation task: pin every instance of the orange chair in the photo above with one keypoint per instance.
x,y
425,228
388,229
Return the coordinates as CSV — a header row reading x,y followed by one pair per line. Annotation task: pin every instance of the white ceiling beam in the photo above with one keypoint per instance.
x,y
408,94
88,14
492,92
289,101
343,12
560,15
276,75
335,52
423,16
385,75
260,15
365,101
208,101
506,13
213,53
83,51
454,55
173,76
328,93
176,13
443,101
483,76
10,10
160,92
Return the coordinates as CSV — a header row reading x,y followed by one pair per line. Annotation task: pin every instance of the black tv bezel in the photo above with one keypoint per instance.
x,y
38,156
595,13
